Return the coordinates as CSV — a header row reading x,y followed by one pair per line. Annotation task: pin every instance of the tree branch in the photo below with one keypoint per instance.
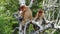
x,y
31,2
21,2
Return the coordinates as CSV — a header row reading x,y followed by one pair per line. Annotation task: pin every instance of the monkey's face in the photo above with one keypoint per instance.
x,y
40,12
22,10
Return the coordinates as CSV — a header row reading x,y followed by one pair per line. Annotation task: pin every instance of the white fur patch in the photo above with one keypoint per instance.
x,y
20,12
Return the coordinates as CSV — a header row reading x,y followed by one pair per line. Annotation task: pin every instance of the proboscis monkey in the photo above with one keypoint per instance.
x,y
39,18
26,14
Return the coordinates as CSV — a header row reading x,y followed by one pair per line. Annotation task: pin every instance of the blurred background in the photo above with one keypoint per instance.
x,y
8,8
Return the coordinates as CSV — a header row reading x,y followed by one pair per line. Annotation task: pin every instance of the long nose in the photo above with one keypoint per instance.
x,y
20,12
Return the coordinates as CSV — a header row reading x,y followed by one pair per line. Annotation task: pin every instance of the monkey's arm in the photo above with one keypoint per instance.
x,y
44,19
36,17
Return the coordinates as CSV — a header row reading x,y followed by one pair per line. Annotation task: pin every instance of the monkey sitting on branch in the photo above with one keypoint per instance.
x,y
40,20
26,14
40,17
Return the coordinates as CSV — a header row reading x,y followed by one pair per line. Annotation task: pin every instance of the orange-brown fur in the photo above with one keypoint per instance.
x,y
40,14
27,14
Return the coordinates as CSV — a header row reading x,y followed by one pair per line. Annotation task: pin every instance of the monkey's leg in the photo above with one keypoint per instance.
x,y
20,29
23,23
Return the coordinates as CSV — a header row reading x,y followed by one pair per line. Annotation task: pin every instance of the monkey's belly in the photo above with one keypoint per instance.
x,y
39,21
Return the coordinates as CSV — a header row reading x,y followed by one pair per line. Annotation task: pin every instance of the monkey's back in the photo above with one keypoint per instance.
x,y
28,14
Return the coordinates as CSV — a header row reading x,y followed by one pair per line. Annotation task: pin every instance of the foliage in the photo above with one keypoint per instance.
x,y
7,8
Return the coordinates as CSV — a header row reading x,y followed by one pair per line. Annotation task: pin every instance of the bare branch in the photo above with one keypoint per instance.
x,y
49,3
22,2
31,2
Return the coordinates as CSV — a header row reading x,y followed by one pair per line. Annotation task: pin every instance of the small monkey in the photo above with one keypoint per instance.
x,y
40,13
39,18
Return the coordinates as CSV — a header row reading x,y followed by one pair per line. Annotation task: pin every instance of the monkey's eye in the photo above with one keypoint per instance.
x,y
40,12
22,7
